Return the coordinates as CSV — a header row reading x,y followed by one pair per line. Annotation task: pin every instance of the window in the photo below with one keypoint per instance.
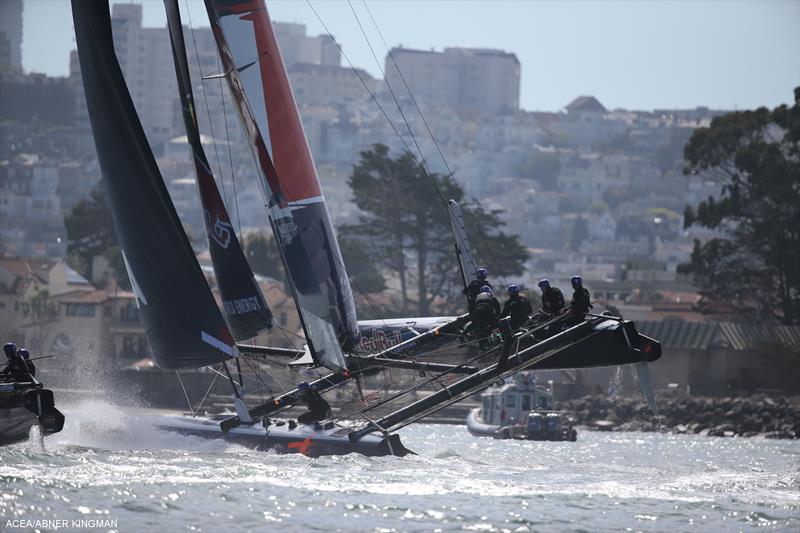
x,y
80,310
511,400
526,402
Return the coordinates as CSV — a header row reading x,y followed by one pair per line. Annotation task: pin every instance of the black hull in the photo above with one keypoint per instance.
x,y
15,424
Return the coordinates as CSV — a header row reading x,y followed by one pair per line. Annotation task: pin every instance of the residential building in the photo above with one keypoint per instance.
x,y
468,80
10,36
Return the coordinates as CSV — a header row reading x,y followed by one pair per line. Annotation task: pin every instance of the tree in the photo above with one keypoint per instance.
x,y
405,226
263,255
90,232
544,167
580,232
363,272
753,269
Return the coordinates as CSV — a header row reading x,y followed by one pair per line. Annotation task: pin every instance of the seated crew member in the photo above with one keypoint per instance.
x,y
517,307
25,355
15,366
318,408
552,299
581,300
485,312
474,288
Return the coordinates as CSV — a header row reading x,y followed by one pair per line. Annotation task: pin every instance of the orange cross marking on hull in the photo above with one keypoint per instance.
x,y
301,445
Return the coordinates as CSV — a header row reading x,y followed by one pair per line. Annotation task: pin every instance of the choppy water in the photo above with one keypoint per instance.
x,y
110,466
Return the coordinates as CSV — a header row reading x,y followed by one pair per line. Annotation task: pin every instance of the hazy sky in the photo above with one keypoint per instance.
x,y
631,54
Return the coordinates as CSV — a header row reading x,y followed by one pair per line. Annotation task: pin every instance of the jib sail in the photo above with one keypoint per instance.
x,y
299,216
181,318
244,306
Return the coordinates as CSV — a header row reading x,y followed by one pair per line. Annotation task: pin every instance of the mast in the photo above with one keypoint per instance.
x,y
296,206
181,318
245,308
466,264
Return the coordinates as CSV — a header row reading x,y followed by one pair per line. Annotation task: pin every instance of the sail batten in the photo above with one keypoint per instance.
x,y
296,205
175,303
245,308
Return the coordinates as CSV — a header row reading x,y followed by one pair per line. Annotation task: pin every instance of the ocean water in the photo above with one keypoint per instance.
x,y
111,470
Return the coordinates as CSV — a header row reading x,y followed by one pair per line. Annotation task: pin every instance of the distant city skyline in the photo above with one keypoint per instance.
x,y
633,55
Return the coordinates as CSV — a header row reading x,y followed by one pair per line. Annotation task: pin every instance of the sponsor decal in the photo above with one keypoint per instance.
x,y
380,340
302,446
242,305
219,230
287,230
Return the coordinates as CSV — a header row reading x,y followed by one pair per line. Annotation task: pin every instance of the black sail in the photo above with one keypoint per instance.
x,y
182,321
244,306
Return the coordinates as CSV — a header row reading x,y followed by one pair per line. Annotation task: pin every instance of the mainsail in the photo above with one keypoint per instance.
x,y
297,210
244,306
181,318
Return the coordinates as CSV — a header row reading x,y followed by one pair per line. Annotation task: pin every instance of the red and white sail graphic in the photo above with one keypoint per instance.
x,y
300,219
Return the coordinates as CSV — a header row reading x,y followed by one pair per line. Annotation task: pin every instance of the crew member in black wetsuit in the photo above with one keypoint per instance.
x,y
485,312
15,366
552,299
318,408
474,288
581,300
517,307
25,355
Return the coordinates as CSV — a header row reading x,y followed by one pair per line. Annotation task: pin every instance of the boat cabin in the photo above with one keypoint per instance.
x,y
510,403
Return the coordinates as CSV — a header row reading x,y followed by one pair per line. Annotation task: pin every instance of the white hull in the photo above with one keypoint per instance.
x,y
308,439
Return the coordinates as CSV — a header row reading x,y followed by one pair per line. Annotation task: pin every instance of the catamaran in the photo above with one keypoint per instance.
x,y
427,365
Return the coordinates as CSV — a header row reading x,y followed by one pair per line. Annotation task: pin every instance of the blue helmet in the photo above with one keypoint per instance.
x,y
544,284
577,281
25,354
10,349
481,273
513,290
487,289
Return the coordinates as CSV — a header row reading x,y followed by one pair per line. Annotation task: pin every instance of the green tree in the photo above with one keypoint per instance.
x,y
363,272
263,255
90,232
580,232
42,307
753,269
404,225
544,167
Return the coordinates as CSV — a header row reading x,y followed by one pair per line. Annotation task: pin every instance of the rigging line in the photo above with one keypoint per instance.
x,y
396,130
205,98
391,123
230,151
208,390
430,132
185,393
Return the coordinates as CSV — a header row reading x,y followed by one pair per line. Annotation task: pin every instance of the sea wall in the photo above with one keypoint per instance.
x,y
771,417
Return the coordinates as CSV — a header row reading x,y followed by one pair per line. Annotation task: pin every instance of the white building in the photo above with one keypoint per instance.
x,y
468,80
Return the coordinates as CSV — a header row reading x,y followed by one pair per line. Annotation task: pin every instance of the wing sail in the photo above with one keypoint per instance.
x,y
245,308
181,318
297,208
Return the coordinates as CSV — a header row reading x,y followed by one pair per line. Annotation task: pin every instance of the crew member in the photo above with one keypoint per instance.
x,y
517,307
15,366
474,288
581,300
552,298
318,408
25,355
486,311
